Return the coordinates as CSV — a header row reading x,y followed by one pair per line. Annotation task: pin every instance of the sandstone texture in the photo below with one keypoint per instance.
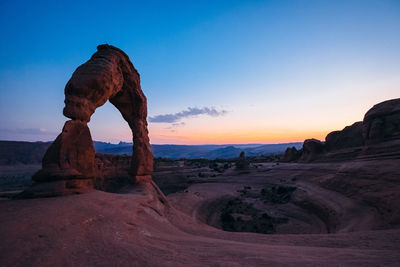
x,y
112,171
71,156
108,75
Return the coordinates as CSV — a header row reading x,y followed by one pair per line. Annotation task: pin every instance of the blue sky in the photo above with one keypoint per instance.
x,y
274,71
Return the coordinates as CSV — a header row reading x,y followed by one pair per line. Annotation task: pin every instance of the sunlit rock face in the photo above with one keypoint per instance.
x,y
107,75
93,83
110,75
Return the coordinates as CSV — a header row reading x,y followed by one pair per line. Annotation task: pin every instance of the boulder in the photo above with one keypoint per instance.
x,y
312,148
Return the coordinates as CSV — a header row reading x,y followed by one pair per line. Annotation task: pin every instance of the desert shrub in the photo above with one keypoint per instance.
x,y
239,216
277,195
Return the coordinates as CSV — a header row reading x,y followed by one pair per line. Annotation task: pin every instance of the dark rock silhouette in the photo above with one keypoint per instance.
x,y
311,149
291,154
350,136
108,75
242,163
382,122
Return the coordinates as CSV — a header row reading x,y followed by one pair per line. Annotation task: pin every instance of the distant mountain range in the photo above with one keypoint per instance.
x,y
16,152
19,152
199,151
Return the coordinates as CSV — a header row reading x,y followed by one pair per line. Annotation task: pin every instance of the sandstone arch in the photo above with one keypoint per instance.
x,y
107,75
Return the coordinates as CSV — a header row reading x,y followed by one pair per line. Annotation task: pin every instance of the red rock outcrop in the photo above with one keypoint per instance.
x,y
311,149
112,171
108,75
70,156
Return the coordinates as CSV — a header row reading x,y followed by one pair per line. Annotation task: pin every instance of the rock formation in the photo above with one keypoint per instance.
x,y
71,156
112,171
311,149
381,124
291,154
108,75
242,163
350,136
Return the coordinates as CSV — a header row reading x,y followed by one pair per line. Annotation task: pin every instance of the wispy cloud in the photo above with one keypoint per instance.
x,y
189,112
174,126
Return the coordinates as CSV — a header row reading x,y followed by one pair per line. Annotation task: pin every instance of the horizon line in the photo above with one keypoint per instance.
x,y
169,144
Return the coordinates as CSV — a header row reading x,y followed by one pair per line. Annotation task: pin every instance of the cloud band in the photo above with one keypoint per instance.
x,y
189,112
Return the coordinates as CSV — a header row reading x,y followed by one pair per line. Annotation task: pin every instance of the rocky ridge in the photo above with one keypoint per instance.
x,y
378,135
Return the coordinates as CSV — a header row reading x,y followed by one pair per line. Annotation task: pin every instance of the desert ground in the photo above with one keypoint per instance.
x,y
274,213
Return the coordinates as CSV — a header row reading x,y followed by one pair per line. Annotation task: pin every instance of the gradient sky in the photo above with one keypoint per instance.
x,y
213,71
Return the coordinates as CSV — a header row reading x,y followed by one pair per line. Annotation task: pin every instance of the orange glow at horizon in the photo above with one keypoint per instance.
x,y
236,137
254,138
294,120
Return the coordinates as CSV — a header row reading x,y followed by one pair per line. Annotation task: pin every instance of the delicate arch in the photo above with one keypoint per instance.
x,y
107,75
